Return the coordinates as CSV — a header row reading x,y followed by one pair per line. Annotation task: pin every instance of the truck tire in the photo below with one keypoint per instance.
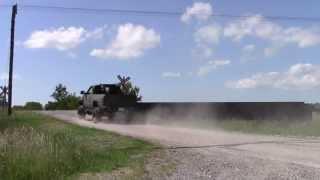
x,y
96,115
81,112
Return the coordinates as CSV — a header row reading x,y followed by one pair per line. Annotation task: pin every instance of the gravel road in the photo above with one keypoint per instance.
x,y
216,154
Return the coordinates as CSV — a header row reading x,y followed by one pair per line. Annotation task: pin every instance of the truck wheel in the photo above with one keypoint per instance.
x,y
96,115
81,112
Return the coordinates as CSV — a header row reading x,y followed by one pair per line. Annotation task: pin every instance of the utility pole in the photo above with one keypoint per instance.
x,y
13,21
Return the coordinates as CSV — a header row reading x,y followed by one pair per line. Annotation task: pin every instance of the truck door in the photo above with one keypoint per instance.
x,y
98,95
87,98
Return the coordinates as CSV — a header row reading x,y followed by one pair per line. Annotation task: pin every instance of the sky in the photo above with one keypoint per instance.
x,y
191,56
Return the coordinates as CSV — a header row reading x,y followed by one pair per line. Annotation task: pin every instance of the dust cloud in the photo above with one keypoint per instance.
x,y
178,116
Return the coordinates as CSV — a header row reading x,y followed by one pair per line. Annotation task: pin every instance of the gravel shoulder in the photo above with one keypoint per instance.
x,y
215,154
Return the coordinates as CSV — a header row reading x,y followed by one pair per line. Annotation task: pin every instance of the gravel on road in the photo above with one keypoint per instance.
x,y
215,154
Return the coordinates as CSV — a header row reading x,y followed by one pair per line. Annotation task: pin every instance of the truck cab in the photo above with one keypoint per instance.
x,y
94,96
105,100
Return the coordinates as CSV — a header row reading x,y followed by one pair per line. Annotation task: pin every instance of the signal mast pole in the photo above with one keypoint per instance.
x,y
13,21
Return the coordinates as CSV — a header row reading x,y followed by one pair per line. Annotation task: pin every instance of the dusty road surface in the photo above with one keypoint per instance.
x,y
215,154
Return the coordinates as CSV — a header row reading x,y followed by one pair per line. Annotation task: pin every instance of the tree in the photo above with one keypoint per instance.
x,y
60,93
33,106
50,106
63,99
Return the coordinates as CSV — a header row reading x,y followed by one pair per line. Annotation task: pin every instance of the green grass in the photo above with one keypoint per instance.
x,y
34,146
285,128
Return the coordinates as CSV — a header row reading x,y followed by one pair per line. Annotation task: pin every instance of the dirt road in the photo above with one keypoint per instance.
x,y
215,154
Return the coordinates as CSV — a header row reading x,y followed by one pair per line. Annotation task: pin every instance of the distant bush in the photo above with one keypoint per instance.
x,y
30,106
69,103
18,108
316,107
33,106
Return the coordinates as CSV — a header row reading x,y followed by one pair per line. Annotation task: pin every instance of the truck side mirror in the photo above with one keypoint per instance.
x,y
82,92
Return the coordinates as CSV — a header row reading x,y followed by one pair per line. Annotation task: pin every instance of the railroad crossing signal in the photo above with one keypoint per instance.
x,y
3,95
123,80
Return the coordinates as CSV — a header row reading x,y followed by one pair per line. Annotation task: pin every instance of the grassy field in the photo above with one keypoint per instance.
x,y
36,147
286,128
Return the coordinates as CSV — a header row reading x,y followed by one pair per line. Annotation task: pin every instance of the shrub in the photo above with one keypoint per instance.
x,y
33,106
63,99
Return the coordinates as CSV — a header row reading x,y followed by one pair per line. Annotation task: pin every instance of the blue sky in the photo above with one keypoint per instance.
x,y
192,57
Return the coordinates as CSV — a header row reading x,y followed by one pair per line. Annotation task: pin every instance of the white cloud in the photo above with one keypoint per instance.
x,y
61,38
299,76
249,48
130,42
171,74
207,36
199,10
259,27
96,33
241,28
211,65
303,37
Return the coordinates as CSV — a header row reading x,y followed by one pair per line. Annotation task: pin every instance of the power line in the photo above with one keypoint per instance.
x,y
160,13
141,12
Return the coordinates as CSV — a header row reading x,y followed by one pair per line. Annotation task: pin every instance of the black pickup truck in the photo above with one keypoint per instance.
x,y
105,100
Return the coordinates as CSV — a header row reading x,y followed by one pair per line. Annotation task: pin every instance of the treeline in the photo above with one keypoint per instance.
x,y
62,100
31,106
315,107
